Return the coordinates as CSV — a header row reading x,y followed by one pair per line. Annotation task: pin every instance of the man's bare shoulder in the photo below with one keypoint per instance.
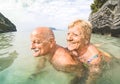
x,y
63,57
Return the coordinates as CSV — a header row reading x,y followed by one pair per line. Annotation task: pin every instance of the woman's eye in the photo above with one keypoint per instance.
x,y
68,33
75,34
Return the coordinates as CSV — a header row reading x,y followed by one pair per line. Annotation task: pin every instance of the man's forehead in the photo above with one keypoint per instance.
x,y
37,33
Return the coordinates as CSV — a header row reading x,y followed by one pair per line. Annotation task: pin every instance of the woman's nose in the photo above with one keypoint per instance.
x,y
69,37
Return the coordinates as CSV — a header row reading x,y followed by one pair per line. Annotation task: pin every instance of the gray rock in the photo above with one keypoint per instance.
x,y
107,19
6,25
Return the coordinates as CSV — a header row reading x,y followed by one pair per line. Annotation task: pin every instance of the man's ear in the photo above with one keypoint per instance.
x,y
52,42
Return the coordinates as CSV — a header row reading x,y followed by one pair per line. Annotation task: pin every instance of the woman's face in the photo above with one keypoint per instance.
x,y
75,38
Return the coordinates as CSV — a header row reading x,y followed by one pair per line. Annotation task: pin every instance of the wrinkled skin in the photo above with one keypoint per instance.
x,y
39,45
75,38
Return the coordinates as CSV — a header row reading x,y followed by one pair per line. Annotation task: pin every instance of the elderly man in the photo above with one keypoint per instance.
x,y
44,45
78,42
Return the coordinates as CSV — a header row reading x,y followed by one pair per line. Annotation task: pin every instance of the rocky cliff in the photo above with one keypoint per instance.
x,y
6,25
107,19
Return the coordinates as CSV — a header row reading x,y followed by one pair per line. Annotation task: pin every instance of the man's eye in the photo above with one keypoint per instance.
x,y
38,42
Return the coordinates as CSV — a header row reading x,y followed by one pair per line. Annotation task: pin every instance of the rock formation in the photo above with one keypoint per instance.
x,y
6,25
107,19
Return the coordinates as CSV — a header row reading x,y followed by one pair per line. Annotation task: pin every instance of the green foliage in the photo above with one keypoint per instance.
x,y
97,4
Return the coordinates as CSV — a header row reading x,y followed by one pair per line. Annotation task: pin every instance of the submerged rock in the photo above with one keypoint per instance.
x,y
107,19
6,25
6,62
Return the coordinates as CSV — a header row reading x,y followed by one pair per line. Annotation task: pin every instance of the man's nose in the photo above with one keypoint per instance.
x,y
32,46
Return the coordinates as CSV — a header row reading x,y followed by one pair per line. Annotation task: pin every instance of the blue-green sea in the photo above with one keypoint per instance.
x,y
17,63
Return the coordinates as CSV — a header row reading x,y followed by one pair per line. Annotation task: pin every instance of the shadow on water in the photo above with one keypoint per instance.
x,y
7,56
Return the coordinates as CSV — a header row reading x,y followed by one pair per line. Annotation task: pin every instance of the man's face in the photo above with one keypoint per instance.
x,y
39,45
75,38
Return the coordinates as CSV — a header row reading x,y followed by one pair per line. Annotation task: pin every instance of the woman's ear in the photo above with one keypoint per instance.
x,y
86,42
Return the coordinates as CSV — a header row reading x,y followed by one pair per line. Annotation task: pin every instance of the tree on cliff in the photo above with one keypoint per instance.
x,y
96,5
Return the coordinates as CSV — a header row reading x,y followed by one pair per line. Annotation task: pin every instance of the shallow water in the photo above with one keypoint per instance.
x,y
17,63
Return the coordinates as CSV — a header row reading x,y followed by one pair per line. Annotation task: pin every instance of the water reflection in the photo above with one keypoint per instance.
x,y
110,45
6,55
5,40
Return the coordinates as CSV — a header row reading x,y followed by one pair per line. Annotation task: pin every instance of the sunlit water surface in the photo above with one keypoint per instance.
x,y
17,63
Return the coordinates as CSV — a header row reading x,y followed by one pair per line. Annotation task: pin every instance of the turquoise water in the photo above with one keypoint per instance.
x,y
17,63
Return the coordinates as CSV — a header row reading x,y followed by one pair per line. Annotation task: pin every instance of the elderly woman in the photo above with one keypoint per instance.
x,y
78,43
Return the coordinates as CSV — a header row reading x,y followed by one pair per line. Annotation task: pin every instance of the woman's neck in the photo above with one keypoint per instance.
x,y
81,51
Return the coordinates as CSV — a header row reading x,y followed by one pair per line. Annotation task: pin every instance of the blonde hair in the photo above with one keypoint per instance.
x,y
86,26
